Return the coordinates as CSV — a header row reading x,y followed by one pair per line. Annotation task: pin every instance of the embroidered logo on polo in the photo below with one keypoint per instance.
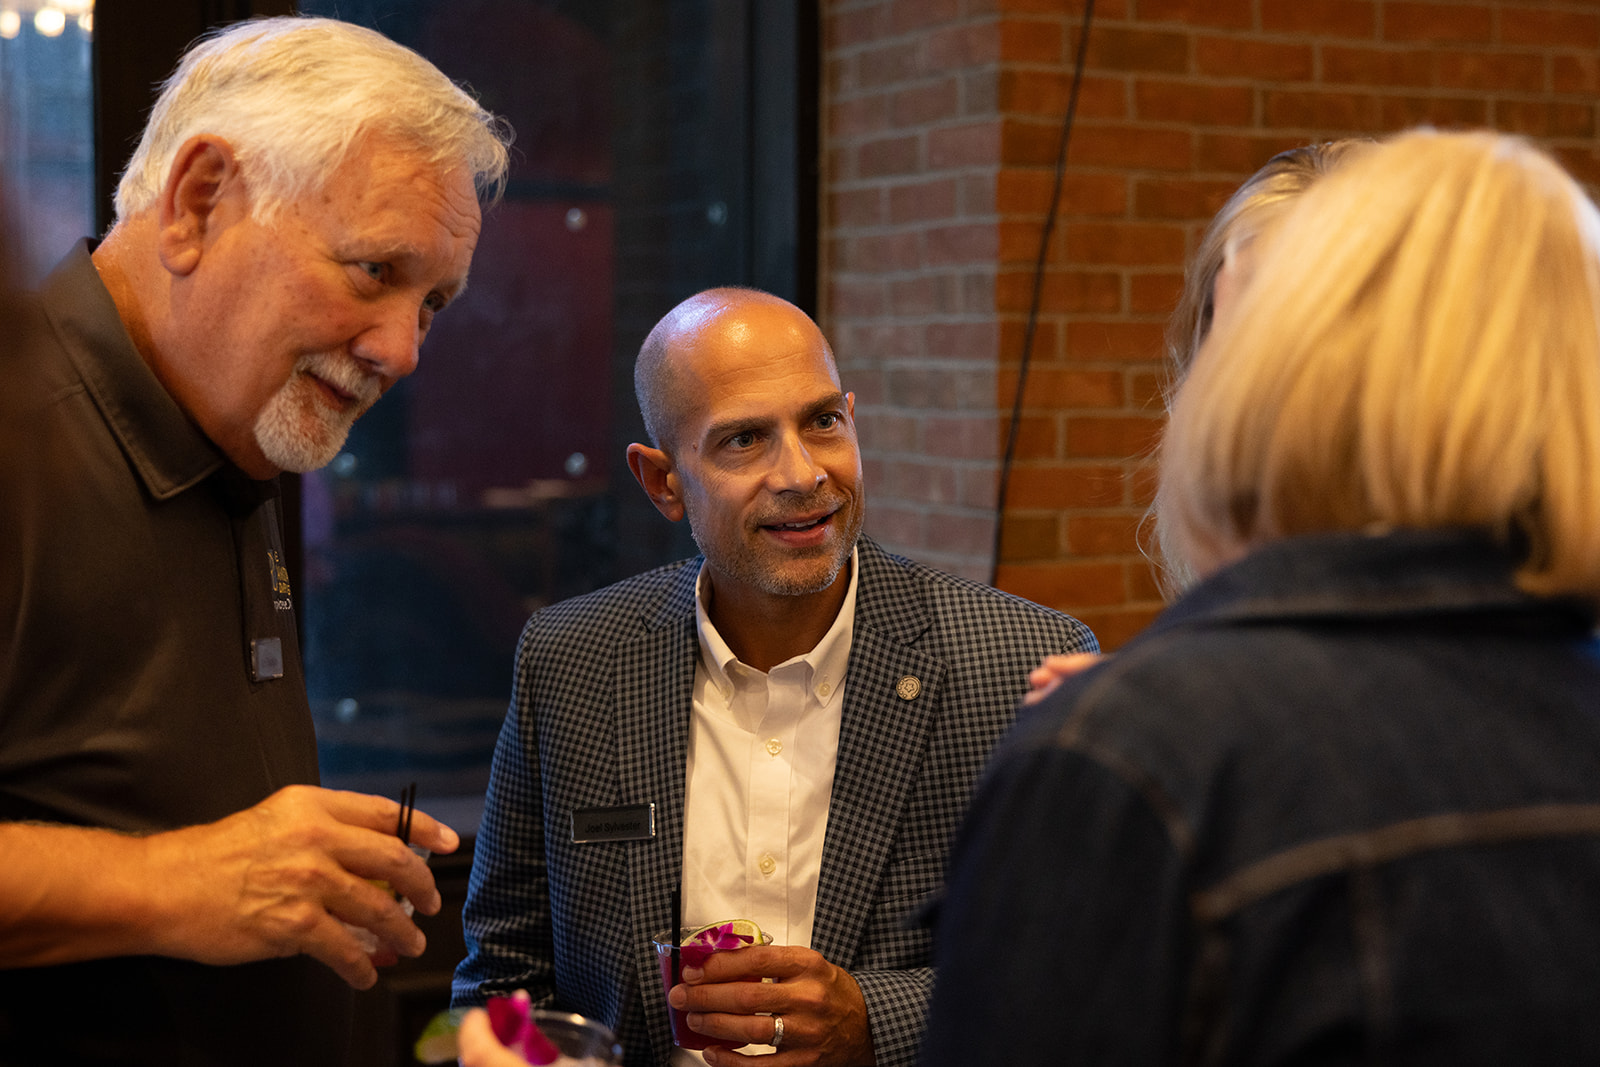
x,y
282,599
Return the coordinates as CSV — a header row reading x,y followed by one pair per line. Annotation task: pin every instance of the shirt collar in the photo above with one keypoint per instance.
x,y
826,662
164,446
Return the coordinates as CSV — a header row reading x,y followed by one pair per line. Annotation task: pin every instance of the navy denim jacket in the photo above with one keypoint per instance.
x,y
1341,804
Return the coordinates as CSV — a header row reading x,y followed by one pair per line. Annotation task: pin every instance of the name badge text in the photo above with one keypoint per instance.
x,y
631,822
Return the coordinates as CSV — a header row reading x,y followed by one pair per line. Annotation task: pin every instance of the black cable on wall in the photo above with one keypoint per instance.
x,y
1038,287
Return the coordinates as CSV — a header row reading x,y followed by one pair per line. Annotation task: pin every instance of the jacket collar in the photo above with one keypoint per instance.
x,y
889,601
1383,575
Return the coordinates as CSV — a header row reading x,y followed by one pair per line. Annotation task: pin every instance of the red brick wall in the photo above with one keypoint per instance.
x,y
940,125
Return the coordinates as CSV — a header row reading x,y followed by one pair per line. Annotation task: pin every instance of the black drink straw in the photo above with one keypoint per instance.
x,y
402,826
677,930
408,804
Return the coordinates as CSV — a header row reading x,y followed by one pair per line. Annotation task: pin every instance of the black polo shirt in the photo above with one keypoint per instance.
x,y
150,677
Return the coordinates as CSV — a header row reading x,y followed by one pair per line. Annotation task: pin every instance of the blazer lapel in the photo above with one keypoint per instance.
x,y
655,689
890,693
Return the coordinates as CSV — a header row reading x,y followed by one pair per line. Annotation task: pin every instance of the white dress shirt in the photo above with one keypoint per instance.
x,y
762,750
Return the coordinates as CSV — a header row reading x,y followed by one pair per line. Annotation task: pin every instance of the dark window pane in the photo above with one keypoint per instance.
x,y
492,481
47,128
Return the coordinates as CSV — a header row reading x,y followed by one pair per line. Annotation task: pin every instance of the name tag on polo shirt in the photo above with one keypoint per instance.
x,y
631,822
266,659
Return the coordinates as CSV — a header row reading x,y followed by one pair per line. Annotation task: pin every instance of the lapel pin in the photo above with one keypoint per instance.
x,y
907,688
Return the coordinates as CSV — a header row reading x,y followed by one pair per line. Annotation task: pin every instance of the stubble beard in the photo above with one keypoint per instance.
x,y
296,430
787,576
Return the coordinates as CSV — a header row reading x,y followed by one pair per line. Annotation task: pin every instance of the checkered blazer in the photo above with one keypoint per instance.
x,y
600,718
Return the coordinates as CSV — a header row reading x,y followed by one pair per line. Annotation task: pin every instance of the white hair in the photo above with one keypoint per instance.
x,y
293,95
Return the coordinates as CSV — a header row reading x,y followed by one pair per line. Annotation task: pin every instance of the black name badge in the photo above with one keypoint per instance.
x,y
631,822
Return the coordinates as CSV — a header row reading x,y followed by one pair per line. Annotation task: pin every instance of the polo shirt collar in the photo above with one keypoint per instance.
x,y
168,451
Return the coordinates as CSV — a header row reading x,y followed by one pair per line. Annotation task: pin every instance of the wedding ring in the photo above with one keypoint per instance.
x,y
777,1031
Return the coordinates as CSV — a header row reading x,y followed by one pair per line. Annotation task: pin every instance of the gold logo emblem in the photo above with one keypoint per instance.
x,y
907,688
280,582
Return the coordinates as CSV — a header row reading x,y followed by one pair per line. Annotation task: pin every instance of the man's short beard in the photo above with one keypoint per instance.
x,y
295,430
289,444
749,571
745,570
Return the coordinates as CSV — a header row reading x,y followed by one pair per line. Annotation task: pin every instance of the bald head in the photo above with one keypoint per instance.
x,y
663,375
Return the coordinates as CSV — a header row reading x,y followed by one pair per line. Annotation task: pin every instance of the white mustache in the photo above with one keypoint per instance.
x,y
343,374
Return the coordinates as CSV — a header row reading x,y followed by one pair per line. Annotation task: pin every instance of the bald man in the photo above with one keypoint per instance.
x,y
785,729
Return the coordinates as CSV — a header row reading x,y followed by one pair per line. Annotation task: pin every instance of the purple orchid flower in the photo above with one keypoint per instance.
x,y
695,951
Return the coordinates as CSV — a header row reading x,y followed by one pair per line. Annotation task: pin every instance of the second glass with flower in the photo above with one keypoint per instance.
x,y
695,946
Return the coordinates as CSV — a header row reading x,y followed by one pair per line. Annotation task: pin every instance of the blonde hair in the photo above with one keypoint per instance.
x,y
1250,209
293,96
1420,348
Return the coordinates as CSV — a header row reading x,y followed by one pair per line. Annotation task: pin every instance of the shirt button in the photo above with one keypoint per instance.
x,y
768,864
824,689
774,746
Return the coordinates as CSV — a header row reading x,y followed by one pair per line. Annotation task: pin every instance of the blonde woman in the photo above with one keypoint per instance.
x,y
1214,272
1341,803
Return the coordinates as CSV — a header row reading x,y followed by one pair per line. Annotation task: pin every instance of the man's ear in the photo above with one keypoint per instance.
x,y
653,470
203,191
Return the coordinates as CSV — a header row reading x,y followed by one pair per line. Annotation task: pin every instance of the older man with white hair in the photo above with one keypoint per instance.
x,y
304,201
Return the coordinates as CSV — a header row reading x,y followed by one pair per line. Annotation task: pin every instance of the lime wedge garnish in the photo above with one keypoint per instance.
x,y
438,1041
